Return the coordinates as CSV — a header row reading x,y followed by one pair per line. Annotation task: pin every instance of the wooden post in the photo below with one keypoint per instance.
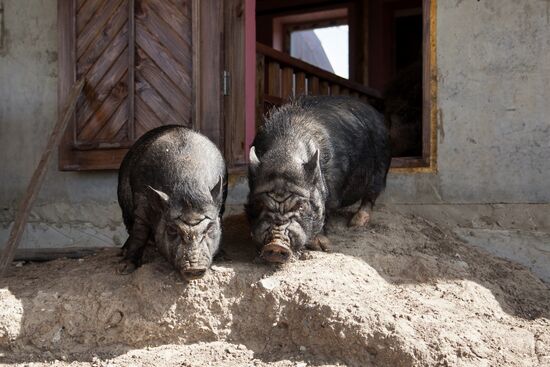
x,y
37,178
131,70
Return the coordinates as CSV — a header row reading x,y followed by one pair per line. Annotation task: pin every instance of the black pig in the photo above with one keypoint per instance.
x,y
312,155
172,186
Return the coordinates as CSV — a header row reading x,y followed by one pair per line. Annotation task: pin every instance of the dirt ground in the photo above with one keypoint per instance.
x,y
402,292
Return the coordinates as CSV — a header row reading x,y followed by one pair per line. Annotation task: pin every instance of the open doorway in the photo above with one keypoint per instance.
x,y
387,48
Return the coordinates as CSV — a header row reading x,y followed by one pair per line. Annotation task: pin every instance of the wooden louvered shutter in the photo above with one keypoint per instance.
x,y
137,57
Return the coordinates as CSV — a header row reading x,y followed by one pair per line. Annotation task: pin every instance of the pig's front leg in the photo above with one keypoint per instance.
x,y
134,245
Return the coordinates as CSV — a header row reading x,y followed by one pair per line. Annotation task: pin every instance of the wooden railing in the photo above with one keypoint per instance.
x,y
279,77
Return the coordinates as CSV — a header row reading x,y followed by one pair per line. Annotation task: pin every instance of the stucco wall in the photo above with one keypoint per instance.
x,y
72,208
493,61
493,137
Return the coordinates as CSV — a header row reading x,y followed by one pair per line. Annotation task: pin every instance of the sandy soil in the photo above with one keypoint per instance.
x,y
402,292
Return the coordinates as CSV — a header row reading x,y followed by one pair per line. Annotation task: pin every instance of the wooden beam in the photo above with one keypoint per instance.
x,y
38,177
48,254
207,32
429,84
131,69
285,60
66,46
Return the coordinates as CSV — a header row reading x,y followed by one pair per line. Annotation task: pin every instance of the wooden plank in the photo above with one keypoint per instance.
x,y
185,6
273,79
80,3
100,159
286,60
122,136
104,113
96,25
146,119
429,83
234,102
114,124
67,73
103,41
101,66
407,162
162,109
94,99
260,88
207,28
174,16
197,91
172,41
86,12
131,69
334,90
156,78
149,47
313,86
37,178
365,22
354,22
300,88
287,83
324,88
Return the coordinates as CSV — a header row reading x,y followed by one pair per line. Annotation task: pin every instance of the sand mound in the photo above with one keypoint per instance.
x,y
402,292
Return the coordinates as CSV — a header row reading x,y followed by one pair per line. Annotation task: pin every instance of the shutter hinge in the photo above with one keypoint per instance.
x,y
226,79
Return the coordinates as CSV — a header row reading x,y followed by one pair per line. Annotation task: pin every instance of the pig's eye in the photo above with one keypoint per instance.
x,y
209,228
299,207
171,231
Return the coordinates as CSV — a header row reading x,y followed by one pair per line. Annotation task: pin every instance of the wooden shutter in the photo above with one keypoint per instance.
x,y
137,59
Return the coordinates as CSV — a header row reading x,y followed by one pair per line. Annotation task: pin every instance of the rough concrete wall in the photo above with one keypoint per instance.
x,y
493,94
72,208
493,138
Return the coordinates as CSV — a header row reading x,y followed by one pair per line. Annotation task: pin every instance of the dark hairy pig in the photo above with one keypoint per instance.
x,y
313,155
172,187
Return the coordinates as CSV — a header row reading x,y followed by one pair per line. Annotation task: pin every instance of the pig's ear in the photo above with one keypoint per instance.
x,y
312,167
160,199
217,191
254,160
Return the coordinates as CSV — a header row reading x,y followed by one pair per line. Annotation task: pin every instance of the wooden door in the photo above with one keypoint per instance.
x,y
240,66
137,57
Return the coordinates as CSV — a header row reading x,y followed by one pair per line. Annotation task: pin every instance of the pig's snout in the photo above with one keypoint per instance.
x,y
276,252
193,273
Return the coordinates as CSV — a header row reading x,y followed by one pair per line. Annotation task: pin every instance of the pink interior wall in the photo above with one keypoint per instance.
x,y
250,72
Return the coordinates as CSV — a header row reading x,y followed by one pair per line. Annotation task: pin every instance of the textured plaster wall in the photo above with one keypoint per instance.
x,y
493,136
493,61
73,209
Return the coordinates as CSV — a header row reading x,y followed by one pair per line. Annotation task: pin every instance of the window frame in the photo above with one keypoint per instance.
x,y
427,163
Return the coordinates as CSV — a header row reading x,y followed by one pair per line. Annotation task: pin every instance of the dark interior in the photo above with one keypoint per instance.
x,y
385,53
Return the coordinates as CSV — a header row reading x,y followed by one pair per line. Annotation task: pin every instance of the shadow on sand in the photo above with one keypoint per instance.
x,y
81,308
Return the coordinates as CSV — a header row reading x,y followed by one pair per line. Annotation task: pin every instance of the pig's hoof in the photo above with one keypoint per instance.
x,y
306,255
359,219
320,243
126,267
